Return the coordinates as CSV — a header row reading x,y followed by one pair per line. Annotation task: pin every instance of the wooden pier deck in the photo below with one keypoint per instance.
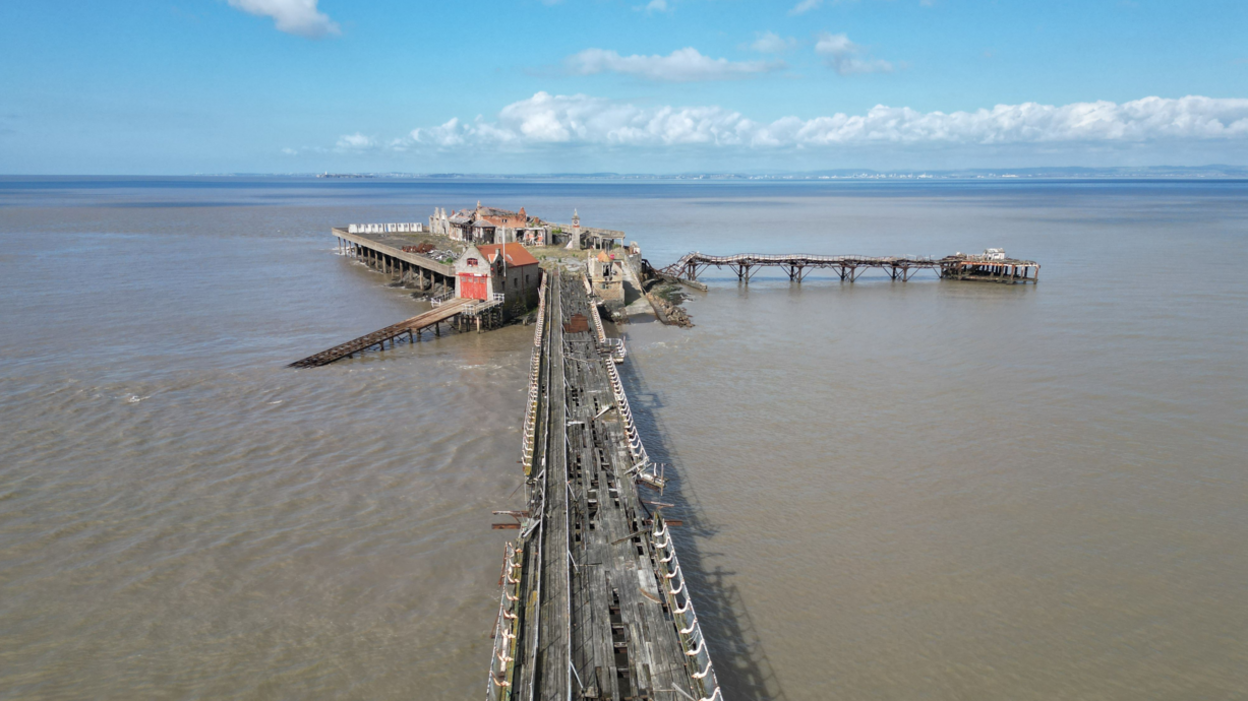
x,y
594,604
410,328
375,249
798,265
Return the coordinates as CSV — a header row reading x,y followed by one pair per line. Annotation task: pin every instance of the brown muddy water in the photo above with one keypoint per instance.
x,y
929,490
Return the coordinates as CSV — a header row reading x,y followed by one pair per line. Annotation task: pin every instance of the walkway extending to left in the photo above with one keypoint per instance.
x,y
410,328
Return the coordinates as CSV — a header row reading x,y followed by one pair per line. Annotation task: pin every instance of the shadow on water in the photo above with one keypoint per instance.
x,y
741,664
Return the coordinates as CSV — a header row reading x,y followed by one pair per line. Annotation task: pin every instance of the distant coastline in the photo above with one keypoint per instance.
x,y
1205,172
1157,173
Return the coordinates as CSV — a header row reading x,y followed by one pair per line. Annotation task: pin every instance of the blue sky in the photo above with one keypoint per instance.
x,y
188,86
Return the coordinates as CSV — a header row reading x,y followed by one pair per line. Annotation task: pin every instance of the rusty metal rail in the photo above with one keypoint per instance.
x,y
409,327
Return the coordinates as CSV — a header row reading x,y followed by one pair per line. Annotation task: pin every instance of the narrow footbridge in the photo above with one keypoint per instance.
x,y
798,265
410,328
594,604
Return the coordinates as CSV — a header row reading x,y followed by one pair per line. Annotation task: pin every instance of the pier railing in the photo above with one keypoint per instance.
x,y
529,433
672,582
392,228
502,661
593,311
640,458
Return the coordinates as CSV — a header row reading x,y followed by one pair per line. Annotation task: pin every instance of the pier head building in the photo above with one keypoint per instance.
x,y
490,225
504,272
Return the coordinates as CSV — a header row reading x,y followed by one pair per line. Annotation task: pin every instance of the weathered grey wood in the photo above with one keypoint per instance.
x,y
591,570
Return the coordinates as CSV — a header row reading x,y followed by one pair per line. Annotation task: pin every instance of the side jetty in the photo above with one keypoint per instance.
x,y
990,266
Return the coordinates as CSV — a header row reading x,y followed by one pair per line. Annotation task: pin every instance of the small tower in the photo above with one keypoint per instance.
x,y
575,238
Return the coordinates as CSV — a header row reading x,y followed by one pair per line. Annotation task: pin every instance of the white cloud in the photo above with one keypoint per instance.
x,y
545,120
655,6
805,6
291,16
681,66
845,57
772,43
356,141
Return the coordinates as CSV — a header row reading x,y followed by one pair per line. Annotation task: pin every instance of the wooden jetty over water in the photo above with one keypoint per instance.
x,y
989,267
594,604
454,311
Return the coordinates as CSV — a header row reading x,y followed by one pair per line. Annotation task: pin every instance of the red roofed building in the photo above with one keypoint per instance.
x,y
508,269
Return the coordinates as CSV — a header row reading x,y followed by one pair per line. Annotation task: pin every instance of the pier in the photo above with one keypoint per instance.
x,y
384,252
593,601
594,604
453,312
991,266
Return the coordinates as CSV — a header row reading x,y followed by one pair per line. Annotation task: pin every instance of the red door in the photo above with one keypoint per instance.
x,y
473,286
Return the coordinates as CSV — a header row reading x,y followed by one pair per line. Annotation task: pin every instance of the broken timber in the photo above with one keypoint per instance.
x,y
594,604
